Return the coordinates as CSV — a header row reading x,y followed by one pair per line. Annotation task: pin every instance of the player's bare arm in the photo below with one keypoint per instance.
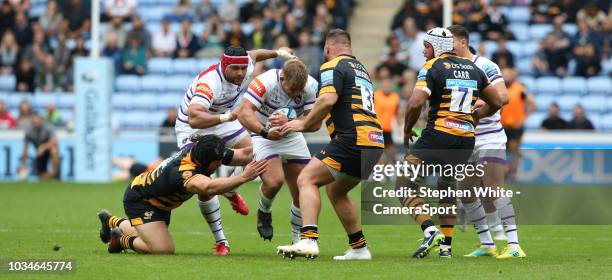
x,y
493,102
313,121
413,111
203,185
200,118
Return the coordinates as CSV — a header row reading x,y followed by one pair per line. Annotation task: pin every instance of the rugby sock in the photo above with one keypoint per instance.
x,y
296,221
114,221
309,232
476,215
495,224
428,227
508,218
265,204
357,240
211,211
447,230
127,241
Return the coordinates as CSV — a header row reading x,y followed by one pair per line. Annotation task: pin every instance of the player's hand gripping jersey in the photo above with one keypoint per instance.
x,y
352,121
453,85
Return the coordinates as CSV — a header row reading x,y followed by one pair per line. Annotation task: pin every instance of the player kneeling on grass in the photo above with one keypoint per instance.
x,y
288,90
151,196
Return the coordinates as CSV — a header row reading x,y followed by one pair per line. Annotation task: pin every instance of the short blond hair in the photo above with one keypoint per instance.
x,y
295,72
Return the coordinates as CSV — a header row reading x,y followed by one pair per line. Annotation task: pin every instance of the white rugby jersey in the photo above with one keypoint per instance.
x,y
266,93
211,90
491,125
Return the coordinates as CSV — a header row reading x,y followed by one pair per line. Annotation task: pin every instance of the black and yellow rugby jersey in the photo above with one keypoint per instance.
x,y
353,119
453,84
164,187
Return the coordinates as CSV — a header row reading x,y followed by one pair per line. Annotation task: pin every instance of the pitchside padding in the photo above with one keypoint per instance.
x,y
93,134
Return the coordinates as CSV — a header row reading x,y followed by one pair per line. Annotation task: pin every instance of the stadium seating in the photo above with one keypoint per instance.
x,y
159,65
7,82
594,104
574,85
599,85
548,85
153,82
535,120
127,83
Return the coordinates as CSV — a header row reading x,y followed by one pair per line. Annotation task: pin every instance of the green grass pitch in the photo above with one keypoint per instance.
x,y
34,217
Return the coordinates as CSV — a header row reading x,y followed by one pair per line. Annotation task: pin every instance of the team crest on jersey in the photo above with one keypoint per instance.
x,y
148,215
297,99
376,136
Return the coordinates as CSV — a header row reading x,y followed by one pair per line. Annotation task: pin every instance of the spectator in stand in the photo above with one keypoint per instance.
x,y
250,9
25,75
468,13
386,105
395,67
49,78
9,51
164,40
408,37
38,50
51,20
300,13
7,16
319,30
291,30
112,51
117,28
502,56
580,121
213,38
124,9
205,10
493,25
408,9
229,11
556,56
139,31
554,121
592,16
21,6
52,116
41,136
23,30
6,120
134,59
183,11
186,43
79,48
543,11
561,40
309,54
78,17
62,54
260,38
170,119
235,37
588,61
24,120
539,60
277,63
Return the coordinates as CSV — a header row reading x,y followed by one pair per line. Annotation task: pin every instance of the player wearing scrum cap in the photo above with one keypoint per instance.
x,y
490,150
452,85
287,156
207,108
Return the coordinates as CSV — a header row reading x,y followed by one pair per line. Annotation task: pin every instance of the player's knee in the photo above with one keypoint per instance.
x,y
274,184
163,249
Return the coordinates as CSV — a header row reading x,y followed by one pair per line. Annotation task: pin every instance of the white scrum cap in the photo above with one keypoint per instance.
x,y
441,39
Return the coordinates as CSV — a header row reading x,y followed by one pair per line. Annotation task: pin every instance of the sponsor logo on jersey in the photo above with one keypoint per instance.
x,y
204,89
257,87
376,136
148,215
457,124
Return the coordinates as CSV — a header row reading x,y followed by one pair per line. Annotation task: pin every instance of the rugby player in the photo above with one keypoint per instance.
x,y
346,103
207,109
452,85
489,150
286,156
151,196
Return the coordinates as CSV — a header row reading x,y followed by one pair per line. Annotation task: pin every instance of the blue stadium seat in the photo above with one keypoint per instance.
x,y
535,120
609,104
490,48
153,26
184,66
518,14
529,48
548,85
178,84
134,119
127,83
42,99
4,96
539,31
594,103
599,85
573,85
525,66
155,13
160,65
67,115
198,28
7,82
66,100
567,102
528,82
122,101
156,118
520,31
153,82
145,101
204,63
165,101
543,101
570,28
606,121
516,48
475,39
15,98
